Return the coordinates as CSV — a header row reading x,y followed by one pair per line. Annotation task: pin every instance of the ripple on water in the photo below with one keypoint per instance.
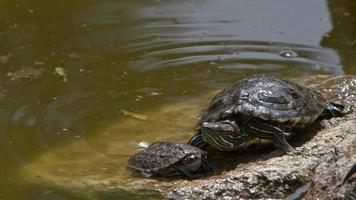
x,y
234,55
218,35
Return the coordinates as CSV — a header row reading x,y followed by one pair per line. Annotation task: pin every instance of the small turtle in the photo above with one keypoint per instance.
x,y
170,159
259,110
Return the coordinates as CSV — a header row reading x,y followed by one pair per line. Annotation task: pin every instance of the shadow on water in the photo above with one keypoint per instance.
x,y
67,69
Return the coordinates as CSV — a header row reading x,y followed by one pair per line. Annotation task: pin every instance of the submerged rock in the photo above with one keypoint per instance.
x,y
326,152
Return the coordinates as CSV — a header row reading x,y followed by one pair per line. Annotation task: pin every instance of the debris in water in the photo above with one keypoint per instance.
x,y
5,58
143,145
61,72
39,63
133,115
27,72
139,98
73,55
288,53
154,94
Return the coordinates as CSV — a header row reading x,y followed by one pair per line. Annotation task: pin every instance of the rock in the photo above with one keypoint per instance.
x,y
328,178
326,152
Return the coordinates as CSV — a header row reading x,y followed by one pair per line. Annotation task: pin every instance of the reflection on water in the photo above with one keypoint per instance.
x,y
139,56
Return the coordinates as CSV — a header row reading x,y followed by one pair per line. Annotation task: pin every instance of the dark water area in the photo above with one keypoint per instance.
x,y
67,68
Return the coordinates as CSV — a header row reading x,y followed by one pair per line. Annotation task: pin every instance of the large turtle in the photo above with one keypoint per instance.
x,y
170,159
259,110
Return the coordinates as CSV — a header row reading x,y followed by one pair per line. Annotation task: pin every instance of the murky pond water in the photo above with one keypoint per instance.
x,y
69,69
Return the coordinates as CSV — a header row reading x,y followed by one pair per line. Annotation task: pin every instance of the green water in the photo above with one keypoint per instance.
x,y
68,67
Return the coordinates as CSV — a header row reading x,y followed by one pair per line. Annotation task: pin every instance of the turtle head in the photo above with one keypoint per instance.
x,y
192,161
336,109
194,165
222,135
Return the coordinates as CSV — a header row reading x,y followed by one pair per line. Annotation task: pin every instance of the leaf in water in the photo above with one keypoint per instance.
x,y
5,58
154,94
134,115
39,63
143,145
61,72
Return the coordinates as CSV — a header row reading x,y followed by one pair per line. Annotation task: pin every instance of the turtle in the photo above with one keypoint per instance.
x,y
260,110
170,159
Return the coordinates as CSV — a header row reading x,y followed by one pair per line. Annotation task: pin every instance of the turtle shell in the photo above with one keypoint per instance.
x,y
159,156
268,98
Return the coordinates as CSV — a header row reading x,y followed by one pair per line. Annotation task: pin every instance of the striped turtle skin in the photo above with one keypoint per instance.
x,y
260,110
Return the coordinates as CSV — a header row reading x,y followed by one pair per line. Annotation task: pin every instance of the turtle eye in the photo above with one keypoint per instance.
x,y
228,126
227,129
190,159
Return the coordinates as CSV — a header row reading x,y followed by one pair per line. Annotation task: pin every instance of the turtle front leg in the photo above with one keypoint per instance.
x,y
336,109
267,131
184,171
280,140
197,141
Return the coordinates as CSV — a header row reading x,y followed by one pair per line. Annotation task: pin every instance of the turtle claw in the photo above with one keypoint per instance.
x,y
146,174
336,109
290,150
294,152
347,110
